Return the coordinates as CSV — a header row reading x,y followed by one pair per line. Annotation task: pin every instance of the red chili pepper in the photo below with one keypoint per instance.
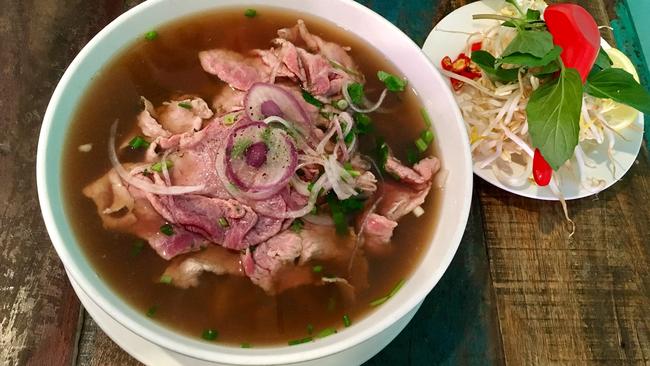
x,y
446,63
460,65
542,172
576,31
476,46
457,84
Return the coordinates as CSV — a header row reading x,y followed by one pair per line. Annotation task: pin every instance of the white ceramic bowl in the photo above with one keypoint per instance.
x,y
363,339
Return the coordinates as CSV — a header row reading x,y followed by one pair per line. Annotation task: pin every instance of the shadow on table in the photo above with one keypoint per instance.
x,y
457,321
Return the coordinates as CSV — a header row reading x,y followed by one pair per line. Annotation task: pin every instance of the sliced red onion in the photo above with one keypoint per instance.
x,y
139,183
264,98
276,164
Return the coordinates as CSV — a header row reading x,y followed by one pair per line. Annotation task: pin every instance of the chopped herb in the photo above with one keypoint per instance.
x,y
240,147
138,246
311,99
393,83
223,222
355,90
427,136
310,186
362,123
297,225
390,294
317,268
138,142
210,334
412,155
167,229
250,13
185,105
246,345
341,104
350,169
151,35
331,304
421,145
158,167
296,342
346,320
382,153
166,279
152,311
425,117
340,221
349,138
310,329
326,332
230,119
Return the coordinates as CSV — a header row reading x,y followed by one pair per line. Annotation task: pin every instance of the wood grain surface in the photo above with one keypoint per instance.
x,y
520,291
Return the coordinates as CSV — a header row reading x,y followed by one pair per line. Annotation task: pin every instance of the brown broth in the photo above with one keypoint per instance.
x,y
239,310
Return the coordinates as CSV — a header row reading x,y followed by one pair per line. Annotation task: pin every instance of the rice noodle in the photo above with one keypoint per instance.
x,y
141,184
346,95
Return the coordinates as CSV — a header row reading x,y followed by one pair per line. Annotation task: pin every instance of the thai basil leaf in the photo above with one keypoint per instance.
x,y
554,117
533,14
486,62
620,86
535,43
524,59
603,61
547,70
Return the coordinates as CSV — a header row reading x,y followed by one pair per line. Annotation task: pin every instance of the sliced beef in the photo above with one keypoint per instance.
x,y
186,270
228,100
418,177
148,124
180,116
378,231
318,70
235,69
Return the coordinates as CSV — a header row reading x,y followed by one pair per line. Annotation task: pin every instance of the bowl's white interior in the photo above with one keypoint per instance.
x,y
386,38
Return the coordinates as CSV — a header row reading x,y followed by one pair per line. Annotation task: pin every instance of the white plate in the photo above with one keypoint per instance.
x,y
443,42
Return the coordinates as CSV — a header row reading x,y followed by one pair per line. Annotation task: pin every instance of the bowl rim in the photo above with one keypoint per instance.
x,y
172,340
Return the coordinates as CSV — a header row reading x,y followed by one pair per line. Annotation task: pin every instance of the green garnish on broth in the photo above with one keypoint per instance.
x,y
425,117
138,142
166,279
152,311
341,104
317,268
421,145
167,229
185,105
210,335
311,99
151,35
137,248
250,13
158,167
393,83
295,342
355,90
346,320
350,169
326,332
362,123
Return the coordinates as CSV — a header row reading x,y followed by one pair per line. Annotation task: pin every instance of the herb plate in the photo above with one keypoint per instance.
x,y
448,38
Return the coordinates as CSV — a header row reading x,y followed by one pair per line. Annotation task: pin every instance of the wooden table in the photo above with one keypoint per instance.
x,y
519,291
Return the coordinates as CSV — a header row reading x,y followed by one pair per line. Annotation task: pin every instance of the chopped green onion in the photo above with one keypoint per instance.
x,y
317,268
138,142
350,169
331,304
362,123
166,279
151,35
310,329
346,320
340,221
297,225
185,105
427,136
230,119
341,104
138,246
421,145
393,83
310,186
311,99
412,155
326,332
210,334
223,222
158,167
382,153
167,229
425,116
152,311
296,342
349,138
391,294
246,345
250,13
355,90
